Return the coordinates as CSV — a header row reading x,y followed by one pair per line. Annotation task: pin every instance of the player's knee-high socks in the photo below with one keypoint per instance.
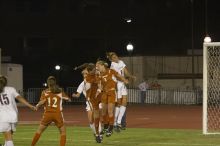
x,y
62,140
35,139
105,121
111,122
9,143
92,126
97,125
117,109
121,113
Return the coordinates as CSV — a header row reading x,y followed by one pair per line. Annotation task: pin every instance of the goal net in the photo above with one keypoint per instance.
x,y
211,88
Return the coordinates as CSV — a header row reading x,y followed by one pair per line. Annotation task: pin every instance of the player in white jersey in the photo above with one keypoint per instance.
x,y
8,110
119,66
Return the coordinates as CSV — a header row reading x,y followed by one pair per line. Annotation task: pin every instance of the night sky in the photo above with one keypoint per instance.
x,y
42,33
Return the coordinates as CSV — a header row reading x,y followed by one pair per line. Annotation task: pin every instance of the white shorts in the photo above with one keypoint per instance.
x,y
89,106
121,90
6,127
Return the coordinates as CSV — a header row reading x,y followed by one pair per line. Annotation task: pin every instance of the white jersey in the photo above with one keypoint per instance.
x,y
83,87
8,107
119,67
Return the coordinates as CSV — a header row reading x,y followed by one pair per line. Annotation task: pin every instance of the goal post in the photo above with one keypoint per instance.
x,y
211,88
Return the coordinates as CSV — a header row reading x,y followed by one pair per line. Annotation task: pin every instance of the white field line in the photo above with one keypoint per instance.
x,y
37,122
113,141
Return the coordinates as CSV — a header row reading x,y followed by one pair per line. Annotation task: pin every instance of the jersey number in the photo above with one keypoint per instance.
x,y
4,99
52,102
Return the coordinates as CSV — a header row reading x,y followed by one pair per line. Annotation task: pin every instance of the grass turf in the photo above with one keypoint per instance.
x,y
82,136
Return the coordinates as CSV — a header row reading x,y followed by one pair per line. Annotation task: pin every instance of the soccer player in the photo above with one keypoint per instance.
x,y
120,67
93,96
8,110
108,79
83,88
52,99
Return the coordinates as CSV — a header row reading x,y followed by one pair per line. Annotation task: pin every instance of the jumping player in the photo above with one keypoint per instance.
x,y
8,110
83,88
120,67
108,79
52,98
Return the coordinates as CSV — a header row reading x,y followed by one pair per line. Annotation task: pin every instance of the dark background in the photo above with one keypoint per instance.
x,y
42,33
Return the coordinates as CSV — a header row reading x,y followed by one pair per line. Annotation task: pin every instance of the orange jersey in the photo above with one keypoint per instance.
x,y
93,81
53,100
108,80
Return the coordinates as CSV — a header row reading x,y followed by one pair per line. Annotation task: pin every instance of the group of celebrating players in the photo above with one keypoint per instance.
x,y
106,98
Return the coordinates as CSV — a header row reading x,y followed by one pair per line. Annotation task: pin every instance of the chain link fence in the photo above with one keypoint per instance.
x,y
152,96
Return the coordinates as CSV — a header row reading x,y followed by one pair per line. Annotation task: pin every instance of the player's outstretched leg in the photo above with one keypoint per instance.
x,y
35,139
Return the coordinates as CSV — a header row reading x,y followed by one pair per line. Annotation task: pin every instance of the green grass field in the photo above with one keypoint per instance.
x,y
82,136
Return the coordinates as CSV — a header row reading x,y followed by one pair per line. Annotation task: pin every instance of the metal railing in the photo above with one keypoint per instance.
x,y
152,96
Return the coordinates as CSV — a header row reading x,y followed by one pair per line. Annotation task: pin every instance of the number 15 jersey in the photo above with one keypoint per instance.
x,y
8,107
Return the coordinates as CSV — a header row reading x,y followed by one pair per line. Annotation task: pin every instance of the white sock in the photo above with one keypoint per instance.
x,y
117,110
9,143
92,126
100,127
121,114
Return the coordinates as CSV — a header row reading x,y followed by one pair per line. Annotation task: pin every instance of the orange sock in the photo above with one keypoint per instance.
x,y
111,120
62,140
35,139
97,125
105,119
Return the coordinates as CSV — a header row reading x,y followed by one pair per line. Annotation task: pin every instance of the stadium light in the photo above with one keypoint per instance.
x,y
128,20
45,84
57,67
207,39
130,47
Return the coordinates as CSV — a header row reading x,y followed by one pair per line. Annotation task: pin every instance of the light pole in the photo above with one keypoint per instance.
x,y
207,38
192,42
130,49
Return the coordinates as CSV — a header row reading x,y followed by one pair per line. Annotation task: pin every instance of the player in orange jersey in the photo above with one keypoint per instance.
x,y
89,88
93,96
52,99
108,79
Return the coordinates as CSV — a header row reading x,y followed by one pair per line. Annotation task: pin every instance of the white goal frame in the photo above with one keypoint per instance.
x,y
205,86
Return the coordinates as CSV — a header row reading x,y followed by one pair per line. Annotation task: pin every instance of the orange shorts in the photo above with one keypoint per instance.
x,y
108,97
50,117
95,102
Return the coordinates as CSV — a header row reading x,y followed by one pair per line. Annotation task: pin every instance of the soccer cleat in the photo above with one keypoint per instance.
x,y
98,139
123,127
101,136
117,129
103,131
109,133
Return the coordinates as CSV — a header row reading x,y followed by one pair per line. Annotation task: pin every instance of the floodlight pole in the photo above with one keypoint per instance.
x,y
192,43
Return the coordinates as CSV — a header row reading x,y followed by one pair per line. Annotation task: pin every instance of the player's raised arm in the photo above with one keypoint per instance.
x,y
121,78
128,74
76,95
22,100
